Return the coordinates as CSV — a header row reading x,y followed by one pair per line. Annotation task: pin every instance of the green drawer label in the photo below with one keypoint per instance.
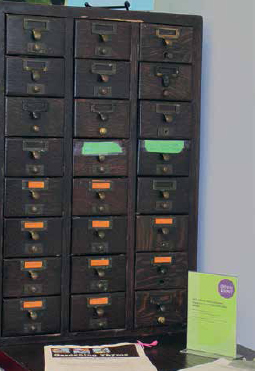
x,y
101,148
164,146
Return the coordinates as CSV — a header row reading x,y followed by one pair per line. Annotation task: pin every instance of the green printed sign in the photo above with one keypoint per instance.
x,y
164,146
101,148
212,314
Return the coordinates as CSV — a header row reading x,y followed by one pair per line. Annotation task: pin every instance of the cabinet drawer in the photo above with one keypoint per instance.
x,y
98,274
102,79
99,197
161,233
34,117
100,158
31,277
101,118
99,235
34,157
165,120
35,76
164,157
160,308
35,35
107,40
32,237
97,312
160,43
31,316
161,271
163,195
165,81
28,197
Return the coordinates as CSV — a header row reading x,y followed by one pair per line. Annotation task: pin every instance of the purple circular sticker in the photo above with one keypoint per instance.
x,y
226,289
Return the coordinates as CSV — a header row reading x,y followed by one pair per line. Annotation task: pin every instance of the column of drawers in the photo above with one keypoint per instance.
x,y
163,184
34,127
100,170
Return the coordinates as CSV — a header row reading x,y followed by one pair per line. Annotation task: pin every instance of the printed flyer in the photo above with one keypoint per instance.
x,y
212,314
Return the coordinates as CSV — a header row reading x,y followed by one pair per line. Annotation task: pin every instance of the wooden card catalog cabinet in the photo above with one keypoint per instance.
x,y
99,151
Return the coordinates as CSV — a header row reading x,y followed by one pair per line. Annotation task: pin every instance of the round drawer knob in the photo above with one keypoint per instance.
x,y
101,169
100,285
168,55
33,328
100,248
162,320
101,234
33,289
164,169
36,89
100,312
34,249
34,209
101,324
162,270
101,208
103,131
35,170
164,205
37,47
101,158
36,128
165,231
166,93
103,51
33,315
103,91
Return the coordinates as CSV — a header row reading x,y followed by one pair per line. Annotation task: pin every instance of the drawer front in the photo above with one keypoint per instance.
x,y
35,36
99,235
165,120
97,312
160,308
98,274
161,233
31,316
28,197
35,76
99,197
107,40
160,43
100,158
165,81
101,118
161,271
164,157
32,237
34,157
98,79
31,277
34,117
163,195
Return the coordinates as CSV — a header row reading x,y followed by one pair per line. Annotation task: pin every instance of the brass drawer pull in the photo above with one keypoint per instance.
x,y
33,315
165,231
100,273
101,195
103,116
162,270
35,195
35,75
162,308
36,128
101,158
166,195
168,35
36,155
102,131
100,311
34,275
162,320
35,115
165,156
104,78
37,35
34,235
101,234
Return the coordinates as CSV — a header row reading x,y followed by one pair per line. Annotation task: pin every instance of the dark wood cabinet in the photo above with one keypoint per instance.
x,y
99,151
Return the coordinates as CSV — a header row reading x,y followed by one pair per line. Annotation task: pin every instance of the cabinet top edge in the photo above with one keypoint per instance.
x,y
100,13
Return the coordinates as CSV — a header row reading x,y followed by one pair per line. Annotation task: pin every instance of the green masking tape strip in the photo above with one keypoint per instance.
x,y
164,146
101,148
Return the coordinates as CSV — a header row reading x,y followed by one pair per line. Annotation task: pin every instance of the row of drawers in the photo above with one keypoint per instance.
x,y
93,274
97,39
43,237
96,118
97,79
31,157
92,312
26,197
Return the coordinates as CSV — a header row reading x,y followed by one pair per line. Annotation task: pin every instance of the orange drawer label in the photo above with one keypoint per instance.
x,y
38,185
32,304
37,225
100,223
98,301
33,264
162,259
163,221
100,263
98,185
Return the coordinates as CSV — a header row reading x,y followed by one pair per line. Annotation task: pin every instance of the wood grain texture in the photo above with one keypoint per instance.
x,y
154,124
154,48
20,241
102,40
152,276
20,160
85,317
18,281
21,83
88,239
91,115
20,39
89,279
154,236
34,117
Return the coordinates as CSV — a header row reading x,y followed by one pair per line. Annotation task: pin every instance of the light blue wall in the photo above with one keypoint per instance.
x,y
135,4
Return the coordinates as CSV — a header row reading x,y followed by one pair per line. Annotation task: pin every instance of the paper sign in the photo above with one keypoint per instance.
x,y
32,304
164,146
101,148
163,259
212,314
